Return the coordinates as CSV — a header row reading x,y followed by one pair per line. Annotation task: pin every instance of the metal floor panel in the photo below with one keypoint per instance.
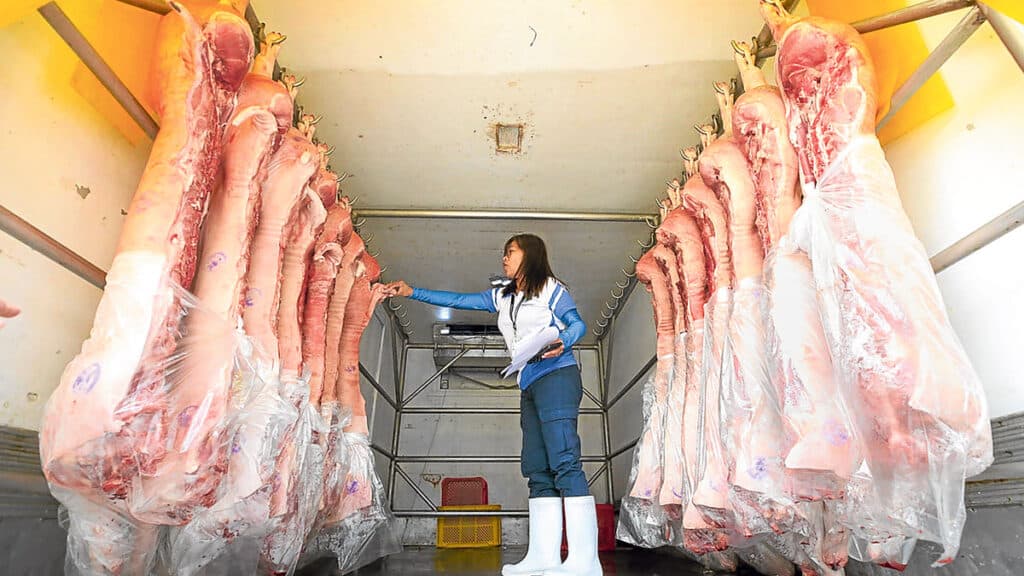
x,y
488,562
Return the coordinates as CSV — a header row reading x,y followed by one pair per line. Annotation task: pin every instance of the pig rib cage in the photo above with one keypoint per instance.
x,y
984,235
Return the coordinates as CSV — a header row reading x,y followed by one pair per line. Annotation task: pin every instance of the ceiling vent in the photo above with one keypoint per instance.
x,y
509,138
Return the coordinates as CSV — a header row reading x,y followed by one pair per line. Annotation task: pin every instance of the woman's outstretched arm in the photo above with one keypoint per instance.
x,y
484,301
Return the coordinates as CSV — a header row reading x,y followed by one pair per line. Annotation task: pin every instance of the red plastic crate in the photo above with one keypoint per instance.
x,y
470,491
605,529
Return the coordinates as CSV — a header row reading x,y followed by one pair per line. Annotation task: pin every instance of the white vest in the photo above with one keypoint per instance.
x,y
525,318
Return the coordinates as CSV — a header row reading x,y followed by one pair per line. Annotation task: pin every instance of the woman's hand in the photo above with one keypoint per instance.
x,y
557,351
399,288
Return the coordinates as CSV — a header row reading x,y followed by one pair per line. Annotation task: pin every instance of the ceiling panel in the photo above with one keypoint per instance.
x,y
459,255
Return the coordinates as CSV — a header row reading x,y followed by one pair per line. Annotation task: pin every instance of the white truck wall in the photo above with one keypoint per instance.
x,y
956,173
68,172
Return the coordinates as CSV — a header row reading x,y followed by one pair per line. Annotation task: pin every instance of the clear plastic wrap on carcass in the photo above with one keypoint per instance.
x,y
336,461
823,452
711,488
919,410
103,540
228,536
673,484
754,440
356,536
171,441
649,454
297,487
699,538
766,560
642,520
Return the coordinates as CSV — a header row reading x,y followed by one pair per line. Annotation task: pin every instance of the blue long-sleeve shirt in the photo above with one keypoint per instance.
x,y
553,307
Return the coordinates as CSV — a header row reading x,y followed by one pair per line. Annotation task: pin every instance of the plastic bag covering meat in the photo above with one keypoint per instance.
x,y
919,409
295,507
824,452
363,535
673,488
241,443
642,520
231,532
103,540
91,438
753,436
711,491
336,462
917,404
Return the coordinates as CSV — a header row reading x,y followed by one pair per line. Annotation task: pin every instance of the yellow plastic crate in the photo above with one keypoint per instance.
x,y
469,531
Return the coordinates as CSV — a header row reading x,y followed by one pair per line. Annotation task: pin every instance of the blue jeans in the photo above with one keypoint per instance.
x,y
549,409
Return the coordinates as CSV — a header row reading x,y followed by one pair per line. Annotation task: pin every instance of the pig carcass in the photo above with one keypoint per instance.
x,y
903,374
801,367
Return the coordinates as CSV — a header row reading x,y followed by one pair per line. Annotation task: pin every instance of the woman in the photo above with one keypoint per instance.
x,y
551,391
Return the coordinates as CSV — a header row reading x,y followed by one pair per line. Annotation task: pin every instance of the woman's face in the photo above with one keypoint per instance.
x,y
512,259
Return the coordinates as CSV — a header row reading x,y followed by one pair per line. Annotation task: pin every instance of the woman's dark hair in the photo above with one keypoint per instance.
x,y
535,266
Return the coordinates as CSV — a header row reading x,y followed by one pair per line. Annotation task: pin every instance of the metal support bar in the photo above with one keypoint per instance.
x,y
601,470
432,346
66,29
983,236
376,385
909,14
483,410
156,6
382,451
460,513
950,44
1007,30
606,431
39,241
633,381
505,215
593,399
624,449
426,499
475,459
906,15
405,402
396,430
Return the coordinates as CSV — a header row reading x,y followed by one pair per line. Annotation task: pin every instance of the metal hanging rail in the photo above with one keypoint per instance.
x,y
41,242
1008,32
983,236
442,410
477,459
899,17
471,347
967,26
156,6
61,24
506,215
633,381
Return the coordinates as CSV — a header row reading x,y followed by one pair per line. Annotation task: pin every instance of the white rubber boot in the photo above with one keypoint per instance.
x,y
545,550
581,532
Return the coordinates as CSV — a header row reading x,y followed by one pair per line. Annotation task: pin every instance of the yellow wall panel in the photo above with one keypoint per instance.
x,y
14,10
896,52
1012,8
124,36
